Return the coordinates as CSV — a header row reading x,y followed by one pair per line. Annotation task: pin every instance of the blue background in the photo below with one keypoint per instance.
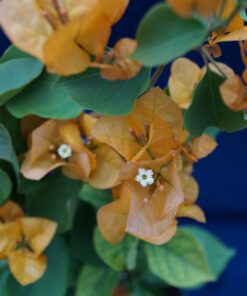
x,y
222,176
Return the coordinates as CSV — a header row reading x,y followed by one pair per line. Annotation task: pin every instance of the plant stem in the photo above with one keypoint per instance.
x,y
207,56
156,75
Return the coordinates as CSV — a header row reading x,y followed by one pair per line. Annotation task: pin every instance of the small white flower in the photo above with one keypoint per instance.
x,y
145,177
64,151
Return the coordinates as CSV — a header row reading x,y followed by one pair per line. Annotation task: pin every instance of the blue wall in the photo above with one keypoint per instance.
x,y
222,176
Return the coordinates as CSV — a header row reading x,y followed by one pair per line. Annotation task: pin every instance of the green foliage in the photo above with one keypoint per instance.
x,y
13,125
163,36
7,152
213,132
15,75
207,108
4,275
118,256
95,281
44,99
5,186
54,197
95,197
81,242
181,263
93,92
218,255
12,53
55,281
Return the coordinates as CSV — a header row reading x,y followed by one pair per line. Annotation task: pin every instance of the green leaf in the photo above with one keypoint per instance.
x,y
4,275
81,243
207,108
54,197
181,263
97,198
213,132
95,281
163,36
13,125
92,92
140,289
218,255
7,152
243,14
117,256
55,280
12,53
15,75
44,99
5,186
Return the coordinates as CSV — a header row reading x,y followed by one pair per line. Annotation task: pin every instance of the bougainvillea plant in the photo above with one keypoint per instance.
x,y
96,160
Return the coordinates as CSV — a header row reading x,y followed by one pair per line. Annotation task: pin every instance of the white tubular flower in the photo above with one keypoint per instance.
x,y
145,177
64,151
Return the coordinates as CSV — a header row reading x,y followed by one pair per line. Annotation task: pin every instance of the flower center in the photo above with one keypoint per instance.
x,y
145,177
64,151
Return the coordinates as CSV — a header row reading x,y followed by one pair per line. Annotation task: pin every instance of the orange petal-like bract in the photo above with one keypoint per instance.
x,y
26,267
185,75
149,111
203,146
63,35
122,67
112,218
234,94
109,164
38,233
10,211
43,157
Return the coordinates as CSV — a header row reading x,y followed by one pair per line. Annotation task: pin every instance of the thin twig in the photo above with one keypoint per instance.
x,y
156,75
206,55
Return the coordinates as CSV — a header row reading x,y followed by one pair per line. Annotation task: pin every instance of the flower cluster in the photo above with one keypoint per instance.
x,y
71,32
145,157
23,241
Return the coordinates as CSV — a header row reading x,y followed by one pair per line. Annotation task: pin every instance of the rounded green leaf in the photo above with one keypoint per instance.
x,y
81,242
96,281
92,92
16,74
54,198
97,198
181,263
7,152
163,36
218,254
5,186
118,256
42,98
207,108
12,53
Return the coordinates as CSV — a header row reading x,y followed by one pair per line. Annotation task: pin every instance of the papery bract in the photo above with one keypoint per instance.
x,y
61,34
160,130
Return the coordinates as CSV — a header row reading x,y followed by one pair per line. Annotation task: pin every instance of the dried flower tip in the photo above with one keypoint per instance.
x,y
142,139
89,141
147,129
48,17
145,177
64,151
161,188
52,147
53,156
61,12
134,135
145,200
